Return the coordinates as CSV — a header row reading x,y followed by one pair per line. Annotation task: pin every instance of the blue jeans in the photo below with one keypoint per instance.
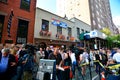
x,y
73,67
113,77
19,72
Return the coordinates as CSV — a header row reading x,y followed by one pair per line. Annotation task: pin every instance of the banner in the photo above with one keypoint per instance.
x,y
59,23
9,23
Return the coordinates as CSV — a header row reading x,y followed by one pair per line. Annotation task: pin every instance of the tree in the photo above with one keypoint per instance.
x,y
106,31
113,41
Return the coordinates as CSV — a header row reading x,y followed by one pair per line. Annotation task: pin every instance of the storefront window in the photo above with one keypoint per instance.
x,y
45,25
25,4
22,31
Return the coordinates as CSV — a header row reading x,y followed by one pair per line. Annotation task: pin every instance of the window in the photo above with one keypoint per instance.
x,y
69,31
59,29
102,22
98,19
99,26
22,31
3,1
82,30
92,8
25,4
102,16
86,31
78,32
101,10
100,5
1,26
94,23
45,25
96,6
93,15
97,13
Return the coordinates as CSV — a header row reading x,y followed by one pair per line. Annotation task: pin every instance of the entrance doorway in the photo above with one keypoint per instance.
x,y
22,32
1,25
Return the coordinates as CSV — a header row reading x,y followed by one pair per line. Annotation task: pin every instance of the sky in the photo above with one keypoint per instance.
x,y
50,5
115,10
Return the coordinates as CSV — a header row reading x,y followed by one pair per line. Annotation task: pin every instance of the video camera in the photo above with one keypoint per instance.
x,y
30,48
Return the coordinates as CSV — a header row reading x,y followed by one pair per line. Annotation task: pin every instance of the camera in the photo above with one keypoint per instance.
x,y
30,48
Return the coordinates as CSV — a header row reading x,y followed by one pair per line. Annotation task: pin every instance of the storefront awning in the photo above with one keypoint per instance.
x,y
92,34
96,33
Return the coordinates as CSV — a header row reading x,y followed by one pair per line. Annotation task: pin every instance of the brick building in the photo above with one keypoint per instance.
x,y
22,23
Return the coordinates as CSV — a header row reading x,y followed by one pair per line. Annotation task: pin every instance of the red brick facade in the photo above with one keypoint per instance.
x,y
5,9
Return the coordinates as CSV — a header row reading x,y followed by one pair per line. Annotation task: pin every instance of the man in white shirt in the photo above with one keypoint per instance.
x,y
116,56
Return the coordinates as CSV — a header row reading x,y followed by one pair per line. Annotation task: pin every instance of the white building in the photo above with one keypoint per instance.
x,y
55,30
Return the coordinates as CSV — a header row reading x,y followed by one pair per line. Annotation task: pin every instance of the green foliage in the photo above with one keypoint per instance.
x,y
106,31
113,41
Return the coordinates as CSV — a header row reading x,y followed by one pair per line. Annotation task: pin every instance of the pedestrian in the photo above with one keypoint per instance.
x,y
57,56
84,59
39,55
91,57
98,59
73,60
7,65
21,52
47,52
116,56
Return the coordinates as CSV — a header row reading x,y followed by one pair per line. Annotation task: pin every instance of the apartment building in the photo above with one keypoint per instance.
x,y
96,13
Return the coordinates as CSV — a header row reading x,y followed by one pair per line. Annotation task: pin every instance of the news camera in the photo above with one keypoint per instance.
x,y
30,48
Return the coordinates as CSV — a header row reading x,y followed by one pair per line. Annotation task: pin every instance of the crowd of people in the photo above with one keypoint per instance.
x,y
22,62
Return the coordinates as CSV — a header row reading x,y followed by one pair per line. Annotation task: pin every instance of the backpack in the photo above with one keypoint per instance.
x,y
29,65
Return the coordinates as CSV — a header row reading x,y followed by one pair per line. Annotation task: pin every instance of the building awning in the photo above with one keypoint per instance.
x,y
92,34
96,33
81,36
87,36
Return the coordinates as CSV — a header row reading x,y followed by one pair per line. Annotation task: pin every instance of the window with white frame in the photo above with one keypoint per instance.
x,y
99,26
97,12
94,23
98,19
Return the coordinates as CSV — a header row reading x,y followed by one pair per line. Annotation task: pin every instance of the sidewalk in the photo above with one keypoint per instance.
x,y
87,76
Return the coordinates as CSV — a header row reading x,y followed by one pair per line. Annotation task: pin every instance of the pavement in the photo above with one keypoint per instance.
x,y
94,75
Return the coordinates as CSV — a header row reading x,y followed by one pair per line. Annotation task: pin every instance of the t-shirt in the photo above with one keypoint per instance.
x,y
85,56
72,56
116,57
3,64
57,57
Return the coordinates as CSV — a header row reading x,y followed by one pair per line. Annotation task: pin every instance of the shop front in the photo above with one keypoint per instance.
x,y
54,43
